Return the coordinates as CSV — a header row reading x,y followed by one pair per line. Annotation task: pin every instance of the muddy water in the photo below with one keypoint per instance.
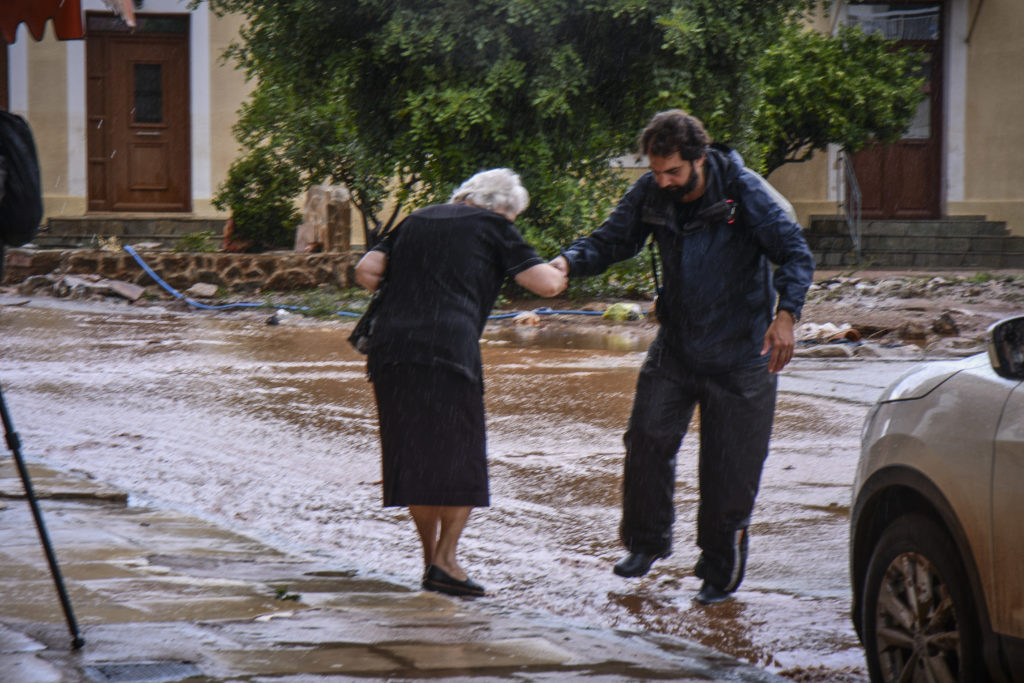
x,y
272,430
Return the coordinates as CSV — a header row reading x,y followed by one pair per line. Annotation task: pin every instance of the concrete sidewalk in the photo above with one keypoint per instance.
x,y
162,596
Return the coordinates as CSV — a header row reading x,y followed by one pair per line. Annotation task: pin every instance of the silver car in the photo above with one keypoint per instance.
x,y
937,526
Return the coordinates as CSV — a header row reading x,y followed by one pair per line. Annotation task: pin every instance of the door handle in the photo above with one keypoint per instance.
x,y
147,132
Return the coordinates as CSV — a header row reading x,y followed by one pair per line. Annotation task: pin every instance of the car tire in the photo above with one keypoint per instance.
x,y
924,629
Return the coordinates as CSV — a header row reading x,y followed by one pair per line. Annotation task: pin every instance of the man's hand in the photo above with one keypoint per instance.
x,y
779,340
561,263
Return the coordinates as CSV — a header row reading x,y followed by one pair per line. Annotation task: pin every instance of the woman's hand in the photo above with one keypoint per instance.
x,y
370,270
543,279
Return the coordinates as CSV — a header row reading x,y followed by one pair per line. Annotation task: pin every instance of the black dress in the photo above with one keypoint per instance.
x,y
446,264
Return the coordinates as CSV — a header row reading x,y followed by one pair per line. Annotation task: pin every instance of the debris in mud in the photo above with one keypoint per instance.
x,y
202,290
527,318
619,312
877,314
912,332
945,325
80,287
826,333
822,675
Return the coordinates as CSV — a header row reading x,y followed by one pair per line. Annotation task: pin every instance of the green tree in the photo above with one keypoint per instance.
x,y
400,100
851,89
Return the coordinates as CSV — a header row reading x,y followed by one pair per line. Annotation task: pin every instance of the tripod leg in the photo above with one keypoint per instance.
x,y
14,443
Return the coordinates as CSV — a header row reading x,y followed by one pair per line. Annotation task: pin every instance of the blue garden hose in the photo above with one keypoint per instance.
x,y
221,307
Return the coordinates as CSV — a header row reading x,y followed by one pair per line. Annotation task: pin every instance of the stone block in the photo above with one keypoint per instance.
x,y
266,263
202,290
83,262
292,278
177,280
206,275
339,226
233,273
126,290
326,220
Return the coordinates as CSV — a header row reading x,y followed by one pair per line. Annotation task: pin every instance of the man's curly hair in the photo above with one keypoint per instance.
x,y
674,131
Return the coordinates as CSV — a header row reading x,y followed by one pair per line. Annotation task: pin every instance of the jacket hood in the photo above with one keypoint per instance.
x,y
725,163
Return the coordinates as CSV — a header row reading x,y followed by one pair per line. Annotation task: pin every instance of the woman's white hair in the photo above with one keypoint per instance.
x,y
498,190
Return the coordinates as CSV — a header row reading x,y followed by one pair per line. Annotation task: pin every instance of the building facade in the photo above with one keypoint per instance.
x,y
129,120
139,121
961,155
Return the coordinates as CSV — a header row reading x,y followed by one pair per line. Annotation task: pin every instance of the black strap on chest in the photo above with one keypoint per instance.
x,y
721,211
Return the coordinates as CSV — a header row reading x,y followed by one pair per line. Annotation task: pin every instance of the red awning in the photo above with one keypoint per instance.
x,y
66,15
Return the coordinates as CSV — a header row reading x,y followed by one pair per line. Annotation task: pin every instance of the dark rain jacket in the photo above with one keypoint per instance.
x,y
719,293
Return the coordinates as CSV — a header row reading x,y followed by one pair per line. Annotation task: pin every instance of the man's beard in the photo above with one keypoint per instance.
x,y
677,192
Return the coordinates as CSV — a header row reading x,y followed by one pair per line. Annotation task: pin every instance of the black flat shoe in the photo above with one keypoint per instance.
x,y
438,580
636,564
709,595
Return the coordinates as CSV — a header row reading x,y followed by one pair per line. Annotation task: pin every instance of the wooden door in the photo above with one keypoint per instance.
x,y
138,111
903,179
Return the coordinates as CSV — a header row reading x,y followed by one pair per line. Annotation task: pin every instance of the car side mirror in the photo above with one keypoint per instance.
x,y
1006,347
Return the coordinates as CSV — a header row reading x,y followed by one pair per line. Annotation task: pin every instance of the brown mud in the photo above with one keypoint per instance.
x,y
933,310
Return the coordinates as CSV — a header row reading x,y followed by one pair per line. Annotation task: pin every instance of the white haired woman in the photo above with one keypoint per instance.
x,y
445,265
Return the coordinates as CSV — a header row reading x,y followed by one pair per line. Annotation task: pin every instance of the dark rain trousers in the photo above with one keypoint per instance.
x,y
736,413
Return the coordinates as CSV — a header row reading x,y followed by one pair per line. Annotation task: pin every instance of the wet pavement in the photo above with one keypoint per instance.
x,y
160,595
250,454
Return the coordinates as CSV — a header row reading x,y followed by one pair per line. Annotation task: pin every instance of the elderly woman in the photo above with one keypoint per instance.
x,y
444,266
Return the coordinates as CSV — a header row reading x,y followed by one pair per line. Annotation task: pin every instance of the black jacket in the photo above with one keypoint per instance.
x,y
720,292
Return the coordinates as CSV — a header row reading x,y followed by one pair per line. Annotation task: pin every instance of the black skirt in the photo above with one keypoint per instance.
x,y
433,441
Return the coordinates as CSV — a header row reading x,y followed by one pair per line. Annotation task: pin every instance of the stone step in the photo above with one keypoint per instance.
x,y
84,231
956,242
919,260
939,244
959,226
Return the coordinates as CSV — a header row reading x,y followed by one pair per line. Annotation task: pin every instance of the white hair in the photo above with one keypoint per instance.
x,y
498,190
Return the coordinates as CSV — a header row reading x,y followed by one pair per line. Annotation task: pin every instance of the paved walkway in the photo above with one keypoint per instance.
x,y
162,596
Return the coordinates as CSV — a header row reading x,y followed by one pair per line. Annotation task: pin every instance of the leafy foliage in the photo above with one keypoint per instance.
x,y
400,100
815,89
259,192
202,241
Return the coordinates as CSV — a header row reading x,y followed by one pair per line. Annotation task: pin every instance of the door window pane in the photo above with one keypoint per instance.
x,y
920,127
895,21
149,103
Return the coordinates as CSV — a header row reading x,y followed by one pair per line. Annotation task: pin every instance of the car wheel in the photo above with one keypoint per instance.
x,y
919,623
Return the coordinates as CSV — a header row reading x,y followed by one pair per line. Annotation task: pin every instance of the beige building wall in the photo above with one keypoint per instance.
x,y
228,89
994,130
47,78
806,186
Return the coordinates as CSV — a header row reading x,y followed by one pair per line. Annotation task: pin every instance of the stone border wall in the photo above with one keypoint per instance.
x,y
237,273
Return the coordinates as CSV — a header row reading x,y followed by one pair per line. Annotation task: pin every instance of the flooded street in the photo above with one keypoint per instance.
x,y
271,430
